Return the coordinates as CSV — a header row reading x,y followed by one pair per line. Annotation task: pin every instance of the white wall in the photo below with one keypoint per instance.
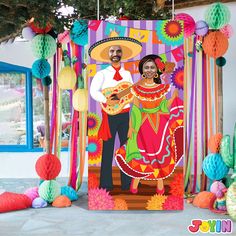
x,y
21,165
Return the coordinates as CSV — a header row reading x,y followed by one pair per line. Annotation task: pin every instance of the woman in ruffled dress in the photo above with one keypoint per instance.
x,y
155,137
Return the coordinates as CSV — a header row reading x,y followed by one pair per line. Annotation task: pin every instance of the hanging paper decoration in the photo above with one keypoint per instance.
x,y
67,78
80,100
217,15
227,30
201,28
177,78
28,33
215,44
189,23
39,30
64,37
140,35
43,46
94,24
220,61
178,53
119,29
94,122
170,32
41,68
79,32
95,150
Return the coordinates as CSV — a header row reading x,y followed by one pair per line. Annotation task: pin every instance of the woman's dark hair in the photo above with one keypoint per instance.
x,y
151,57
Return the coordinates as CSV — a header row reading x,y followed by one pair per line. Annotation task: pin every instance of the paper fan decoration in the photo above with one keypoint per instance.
x,y
94,122
170,32
177,78
94,150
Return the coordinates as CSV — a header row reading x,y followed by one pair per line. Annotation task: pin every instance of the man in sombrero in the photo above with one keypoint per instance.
x,y
112,50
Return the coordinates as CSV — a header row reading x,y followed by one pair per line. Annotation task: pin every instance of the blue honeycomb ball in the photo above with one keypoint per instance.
x,y
44,46
41,68
69,192
79,32
214,166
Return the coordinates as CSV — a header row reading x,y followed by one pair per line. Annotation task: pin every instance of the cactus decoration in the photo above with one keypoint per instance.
x,y
230,161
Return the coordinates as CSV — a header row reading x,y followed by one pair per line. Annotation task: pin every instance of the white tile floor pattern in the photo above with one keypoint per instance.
x,y
77,220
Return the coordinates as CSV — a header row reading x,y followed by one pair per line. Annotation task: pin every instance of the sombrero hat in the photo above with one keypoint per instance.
x,y
100,50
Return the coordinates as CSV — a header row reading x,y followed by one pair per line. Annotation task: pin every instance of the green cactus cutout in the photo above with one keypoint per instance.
x,y
228,158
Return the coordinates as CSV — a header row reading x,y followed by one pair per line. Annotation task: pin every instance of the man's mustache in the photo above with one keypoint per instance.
x,y
118,57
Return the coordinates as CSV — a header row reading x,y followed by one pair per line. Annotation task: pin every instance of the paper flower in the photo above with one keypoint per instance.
x,y
94,150
92,181
156,202
177,185
100,199
173,203
94,122
177,77
170,32
120,205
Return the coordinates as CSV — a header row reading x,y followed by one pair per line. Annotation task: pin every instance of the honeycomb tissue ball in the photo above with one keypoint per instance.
x,y
43,46
39,203
64,37
217,15
215,44
69,192
48,166
49,190
214,143
189,23
28,33
227,30
61,201
32,193
41,68
201,28
214,166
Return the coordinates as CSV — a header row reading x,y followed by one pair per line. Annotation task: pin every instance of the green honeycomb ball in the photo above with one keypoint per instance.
x,y
217,15
44,46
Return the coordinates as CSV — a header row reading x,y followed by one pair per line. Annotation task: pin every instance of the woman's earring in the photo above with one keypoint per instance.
x,y
143,76
156,76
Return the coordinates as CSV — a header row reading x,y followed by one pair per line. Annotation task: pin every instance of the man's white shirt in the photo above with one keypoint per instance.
x,y
104,79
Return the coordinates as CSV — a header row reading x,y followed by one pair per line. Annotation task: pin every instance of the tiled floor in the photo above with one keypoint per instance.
x,y
77,220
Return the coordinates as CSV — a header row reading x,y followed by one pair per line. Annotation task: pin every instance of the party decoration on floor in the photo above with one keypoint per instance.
x,y
156,202
189,23
230,160
214,166
49,190
100,199
170,32
48,167
203,199
61,201
39,203
218,204
32,193
215,44
120,205
69,192
43,46
201,28
13,202
217,15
